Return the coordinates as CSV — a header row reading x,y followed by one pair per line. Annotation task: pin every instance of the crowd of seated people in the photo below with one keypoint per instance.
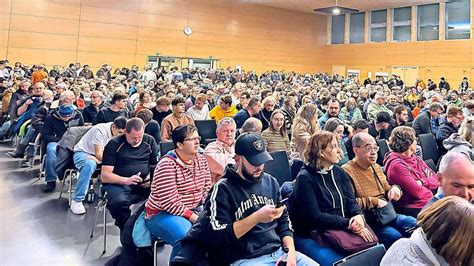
x,y
214,196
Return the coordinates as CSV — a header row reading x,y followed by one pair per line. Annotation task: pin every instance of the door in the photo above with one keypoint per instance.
x,y
340,70
408,74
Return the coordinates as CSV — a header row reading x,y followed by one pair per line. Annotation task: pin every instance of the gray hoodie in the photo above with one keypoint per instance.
x,y
456,143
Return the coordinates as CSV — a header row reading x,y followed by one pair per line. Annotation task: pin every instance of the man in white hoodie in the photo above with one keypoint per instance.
x,y
200,110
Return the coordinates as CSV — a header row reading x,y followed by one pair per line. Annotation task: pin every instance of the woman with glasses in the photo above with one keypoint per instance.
x,y
410,172
181,182
323,199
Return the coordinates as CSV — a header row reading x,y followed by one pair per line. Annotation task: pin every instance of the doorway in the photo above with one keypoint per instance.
x,y
408,74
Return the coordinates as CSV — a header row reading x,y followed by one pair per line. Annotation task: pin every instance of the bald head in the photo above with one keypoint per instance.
x,y
365,149
456,175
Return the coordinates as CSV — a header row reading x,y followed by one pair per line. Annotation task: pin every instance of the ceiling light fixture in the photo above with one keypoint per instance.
x,y
335,10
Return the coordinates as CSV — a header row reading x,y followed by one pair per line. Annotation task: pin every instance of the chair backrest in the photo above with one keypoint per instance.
x,y
367,257
166,146
206,129
279,167
431,164
429,146
383,149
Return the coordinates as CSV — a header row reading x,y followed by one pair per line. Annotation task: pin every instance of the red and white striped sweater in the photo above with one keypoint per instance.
x,y
178,187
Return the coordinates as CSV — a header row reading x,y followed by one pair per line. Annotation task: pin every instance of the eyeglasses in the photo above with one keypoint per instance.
x,y
370,148
193,139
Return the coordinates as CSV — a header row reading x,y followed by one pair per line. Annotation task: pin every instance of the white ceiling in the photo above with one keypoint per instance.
x,y
362,5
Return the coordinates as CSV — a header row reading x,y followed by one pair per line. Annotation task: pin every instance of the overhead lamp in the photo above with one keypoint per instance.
x,y
336,11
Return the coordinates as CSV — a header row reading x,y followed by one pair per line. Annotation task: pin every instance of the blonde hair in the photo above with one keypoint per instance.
x,y
448,225
466,131
308,113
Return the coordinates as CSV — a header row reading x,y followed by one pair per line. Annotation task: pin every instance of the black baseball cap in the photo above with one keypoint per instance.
x,y
252,147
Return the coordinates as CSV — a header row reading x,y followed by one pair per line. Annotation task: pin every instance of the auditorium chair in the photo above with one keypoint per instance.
x,y
207,130
279,167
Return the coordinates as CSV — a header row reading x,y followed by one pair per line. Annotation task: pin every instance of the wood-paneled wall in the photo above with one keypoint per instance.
x,y
125,32
453,59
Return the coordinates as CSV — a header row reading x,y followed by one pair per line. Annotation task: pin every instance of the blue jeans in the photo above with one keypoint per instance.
x,y
4,128
325,256
86,168
50,163
271,259
171,228
395,230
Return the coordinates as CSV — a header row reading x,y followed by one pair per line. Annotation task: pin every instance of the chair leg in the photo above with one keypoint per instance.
x,y
66,174
155,257
95,219
71,176
104,210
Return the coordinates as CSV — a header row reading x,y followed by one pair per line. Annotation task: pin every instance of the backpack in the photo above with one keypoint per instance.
x,y
65,149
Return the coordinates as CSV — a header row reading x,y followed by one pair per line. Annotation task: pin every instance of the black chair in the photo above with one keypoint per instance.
x,y
367,257
279,167
383,149
166,146
429,146
431,164
206,129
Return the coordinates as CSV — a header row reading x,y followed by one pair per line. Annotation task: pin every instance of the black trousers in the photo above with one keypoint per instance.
x,y
120,198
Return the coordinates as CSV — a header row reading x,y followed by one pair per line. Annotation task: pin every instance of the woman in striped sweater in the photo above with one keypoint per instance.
x,y
275,137
180,185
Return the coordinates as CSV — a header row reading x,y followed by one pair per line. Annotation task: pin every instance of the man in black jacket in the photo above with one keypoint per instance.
x,y
242,221
97,103
55,125
454,118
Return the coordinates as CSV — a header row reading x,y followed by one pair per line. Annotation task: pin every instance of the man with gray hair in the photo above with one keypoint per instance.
x,y
221,152
456,177
428,121
378,105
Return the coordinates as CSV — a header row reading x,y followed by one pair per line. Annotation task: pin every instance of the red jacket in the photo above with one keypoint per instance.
x,y
405,171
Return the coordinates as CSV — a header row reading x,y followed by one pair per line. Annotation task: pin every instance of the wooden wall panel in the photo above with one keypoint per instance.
x,y
3,38
45,25
124,32
45,8
95,60
19,39
5,6
4,21
161,21
105,45
3,52
47,57
109,16
125,5
95,29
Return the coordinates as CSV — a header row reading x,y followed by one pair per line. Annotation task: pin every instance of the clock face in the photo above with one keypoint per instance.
x,y
187,30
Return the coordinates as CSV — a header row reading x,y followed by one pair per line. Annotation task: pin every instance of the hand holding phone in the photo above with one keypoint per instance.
x,y
281,203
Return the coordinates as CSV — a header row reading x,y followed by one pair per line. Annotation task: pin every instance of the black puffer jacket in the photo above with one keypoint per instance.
x,y
54,127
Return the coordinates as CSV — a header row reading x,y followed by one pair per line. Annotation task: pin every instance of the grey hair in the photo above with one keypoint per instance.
x,y
450,158
65,94
226,121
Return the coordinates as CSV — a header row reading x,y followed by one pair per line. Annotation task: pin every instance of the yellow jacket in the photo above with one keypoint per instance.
x,y
217,113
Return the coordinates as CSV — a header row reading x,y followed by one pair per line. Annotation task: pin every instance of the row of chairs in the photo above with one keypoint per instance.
x,y
428,144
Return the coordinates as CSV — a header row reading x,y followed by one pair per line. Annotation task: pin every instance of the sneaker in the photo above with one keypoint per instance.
x,y
77,207
50,186
25,165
